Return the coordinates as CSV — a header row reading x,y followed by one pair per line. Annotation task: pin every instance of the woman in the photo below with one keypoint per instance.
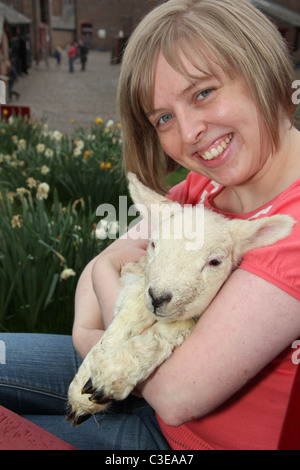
x,y
208,84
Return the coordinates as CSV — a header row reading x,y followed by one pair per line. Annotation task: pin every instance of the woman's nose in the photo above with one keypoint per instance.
x,y
192,126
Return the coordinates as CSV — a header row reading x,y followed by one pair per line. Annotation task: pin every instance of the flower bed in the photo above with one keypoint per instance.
x,y
51,186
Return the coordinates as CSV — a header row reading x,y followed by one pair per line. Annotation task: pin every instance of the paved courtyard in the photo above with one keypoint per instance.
x,y
59,96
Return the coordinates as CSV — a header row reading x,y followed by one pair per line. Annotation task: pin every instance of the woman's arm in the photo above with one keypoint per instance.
x,y
98,288
248,324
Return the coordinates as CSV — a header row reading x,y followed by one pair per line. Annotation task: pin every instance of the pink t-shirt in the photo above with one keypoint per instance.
x,y
252,418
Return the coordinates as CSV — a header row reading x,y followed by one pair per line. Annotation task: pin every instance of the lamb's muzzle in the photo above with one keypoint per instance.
x,y
159,301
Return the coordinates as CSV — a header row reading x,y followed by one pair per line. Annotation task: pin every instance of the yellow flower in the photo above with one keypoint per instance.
x,y
86,154
66,273
5,112
42,191
17,221
98,120
72,121
104,166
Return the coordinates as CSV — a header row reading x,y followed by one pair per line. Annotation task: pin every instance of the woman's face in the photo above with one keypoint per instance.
x,y
210,125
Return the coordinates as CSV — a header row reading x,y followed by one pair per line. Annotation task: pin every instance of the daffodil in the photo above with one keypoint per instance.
x,y
40,148
31,182
49,153
109,124
17,221
22,191
22,144
42,191
45,169
66,273
57,135
76,152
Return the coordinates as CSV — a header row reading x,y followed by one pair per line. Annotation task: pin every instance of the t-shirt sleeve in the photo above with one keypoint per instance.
x,y
191,190
279,263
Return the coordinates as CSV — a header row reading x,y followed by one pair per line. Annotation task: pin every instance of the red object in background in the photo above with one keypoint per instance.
x,y
7,111
17,433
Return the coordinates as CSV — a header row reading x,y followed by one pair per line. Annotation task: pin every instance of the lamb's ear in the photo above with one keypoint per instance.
x,y
249,234
147,201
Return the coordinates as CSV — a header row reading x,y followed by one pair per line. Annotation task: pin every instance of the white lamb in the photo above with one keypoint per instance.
x,y
167,290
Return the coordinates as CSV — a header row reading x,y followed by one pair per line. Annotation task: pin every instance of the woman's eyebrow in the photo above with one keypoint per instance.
x,y
194,83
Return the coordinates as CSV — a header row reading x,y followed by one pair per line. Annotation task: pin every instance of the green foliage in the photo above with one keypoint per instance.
x,y
51,186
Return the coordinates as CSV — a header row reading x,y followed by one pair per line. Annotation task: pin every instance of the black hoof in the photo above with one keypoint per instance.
x,y
75,420
99,398
80,419
70,413
88,388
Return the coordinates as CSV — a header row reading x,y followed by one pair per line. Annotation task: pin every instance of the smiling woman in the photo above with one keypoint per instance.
x,y
196,40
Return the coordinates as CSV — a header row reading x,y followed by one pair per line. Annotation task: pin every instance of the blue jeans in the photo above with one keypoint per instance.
x,y
35,373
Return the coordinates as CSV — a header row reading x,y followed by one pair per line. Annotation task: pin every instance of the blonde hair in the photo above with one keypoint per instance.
x,y
234,34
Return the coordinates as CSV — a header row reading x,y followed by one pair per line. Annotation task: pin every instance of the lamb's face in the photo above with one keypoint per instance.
x,y
182,277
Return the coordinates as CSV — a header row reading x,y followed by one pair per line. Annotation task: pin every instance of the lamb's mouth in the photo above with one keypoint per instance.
x,y
216,151
163,316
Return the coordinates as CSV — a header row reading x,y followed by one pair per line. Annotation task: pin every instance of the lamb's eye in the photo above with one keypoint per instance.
x,y
152,244
215,262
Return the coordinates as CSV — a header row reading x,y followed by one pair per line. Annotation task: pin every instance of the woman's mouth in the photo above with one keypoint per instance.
x,y
216,149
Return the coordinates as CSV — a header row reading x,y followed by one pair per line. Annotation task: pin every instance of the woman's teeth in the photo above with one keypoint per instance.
x,y
218,150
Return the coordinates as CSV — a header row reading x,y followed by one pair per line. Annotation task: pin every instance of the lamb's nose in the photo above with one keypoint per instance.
x,y
158,301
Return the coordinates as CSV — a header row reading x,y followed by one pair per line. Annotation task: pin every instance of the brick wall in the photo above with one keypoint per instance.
x,y
112,16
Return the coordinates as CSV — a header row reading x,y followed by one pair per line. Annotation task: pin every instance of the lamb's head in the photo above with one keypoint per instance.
x,y
192,251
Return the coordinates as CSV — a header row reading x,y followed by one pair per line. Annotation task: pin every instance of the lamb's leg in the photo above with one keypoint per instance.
x,y
117,372
132,319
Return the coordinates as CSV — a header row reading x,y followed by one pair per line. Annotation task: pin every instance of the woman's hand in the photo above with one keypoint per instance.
x,y
98,287
106,273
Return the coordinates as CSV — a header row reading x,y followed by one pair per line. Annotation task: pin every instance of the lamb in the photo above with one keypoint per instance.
x,y
165,293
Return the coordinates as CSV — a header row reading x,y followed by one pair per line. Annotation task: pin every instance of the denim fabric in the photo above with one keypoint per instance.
x,y
34,380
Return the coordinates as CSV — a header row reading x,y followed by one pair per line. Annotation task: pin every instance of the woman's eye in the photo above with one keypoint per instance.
x,y
203,94
165,118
